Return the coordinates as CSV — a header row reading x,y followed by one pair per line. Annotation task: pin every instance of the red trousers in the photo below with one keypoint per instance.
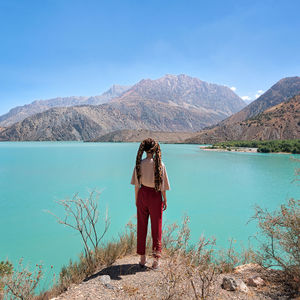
x,y
149,202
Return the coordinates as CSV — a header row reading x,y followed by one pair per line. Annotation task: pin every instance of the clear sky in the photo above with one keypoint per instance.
x,y
51,48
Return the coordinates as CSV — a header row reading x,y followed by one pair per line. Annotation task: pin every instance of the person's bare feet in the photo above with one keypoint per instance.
x,y
142,260
155,264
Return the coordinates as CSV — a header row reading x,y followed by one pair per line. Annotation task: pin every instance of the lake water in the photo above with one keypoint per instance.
x,y
217,190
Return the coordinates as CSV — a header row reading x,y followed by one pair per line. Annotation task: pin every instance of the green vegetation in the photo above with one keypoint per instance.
x,y
6,268
287,146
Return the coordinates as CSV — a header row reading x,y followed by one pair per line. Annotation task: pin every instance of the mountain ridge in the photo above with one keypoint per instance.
x,y
184,90
170,103
19,113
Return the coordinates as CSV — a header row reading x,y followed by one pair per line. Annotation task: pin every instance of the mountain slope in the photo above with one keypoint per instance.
x,y
66,123
129,135
281,121
19,113
230,128
283,90
89,122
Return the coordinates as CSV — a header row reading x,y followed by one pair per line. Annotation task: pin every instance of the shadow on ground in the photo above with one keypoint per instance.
x,y
119,270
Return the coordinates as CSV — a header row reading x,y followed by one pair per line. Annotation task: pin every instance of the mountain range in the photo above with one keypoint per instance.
x,y
171,103
19,113
274,115
170,108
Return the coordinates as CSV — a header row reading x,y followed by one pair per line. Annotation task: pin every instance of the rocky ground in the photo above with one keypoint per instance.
x,y
125,279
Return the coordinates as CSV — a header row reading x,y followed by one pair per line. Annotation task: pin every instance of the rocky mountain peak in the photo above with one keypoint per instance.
x,y
185,91
116,90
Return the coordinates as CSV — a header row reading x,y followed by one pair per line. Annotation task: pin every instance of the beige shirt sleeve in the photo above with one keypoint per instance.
x,y
134,179
165,180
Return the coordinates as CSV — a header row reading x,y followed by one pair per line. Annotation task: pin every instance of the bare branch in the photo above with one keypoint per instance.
x,y
82,215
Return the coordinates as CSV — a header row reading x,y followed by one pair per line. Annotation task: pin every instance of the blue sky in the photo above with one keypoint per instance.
x,y
56,48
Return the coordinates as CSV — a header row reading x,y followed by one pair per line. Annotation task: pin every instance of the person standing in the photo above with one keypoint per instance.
x,y
151,182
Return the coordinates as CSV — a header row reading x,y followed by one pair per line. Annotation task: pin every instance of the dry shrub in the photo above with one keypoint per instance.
x,y
205,269
280,240
168,234
82,215
190,270
20,283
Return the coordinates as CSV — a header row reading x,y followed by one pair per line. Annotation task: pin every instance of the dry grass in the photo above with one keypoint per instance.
x,y
193,270
187,264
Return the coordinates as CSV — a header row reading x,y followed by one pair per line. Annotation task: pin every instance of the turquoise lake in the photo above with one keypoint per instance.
x,y
218,190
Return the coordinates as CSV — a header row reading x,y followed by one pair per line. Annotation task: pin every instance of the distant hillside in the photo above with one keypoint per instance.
x,y
19,113
68,124
89,122
279,92
281,121
230,128
127,135
171,103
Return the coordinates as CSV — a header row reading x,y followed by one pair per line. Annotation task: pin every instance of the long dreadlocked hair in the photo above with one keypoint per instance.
x,y
149,145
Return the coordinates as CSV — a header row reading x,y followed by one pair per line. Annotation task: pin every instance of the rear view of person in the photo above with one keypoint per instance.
x,y
151,182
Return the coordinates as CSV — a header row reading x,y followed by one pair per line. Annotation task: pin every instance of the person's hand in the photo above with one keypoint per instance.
x,y
165,205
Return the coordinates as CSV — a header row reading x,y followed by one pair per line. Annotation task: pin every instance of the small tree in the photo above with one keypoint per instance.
x,y
82,215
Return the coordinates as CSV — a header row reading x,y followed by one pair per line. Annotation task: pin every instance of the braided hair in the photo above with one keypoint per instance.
x,y
149,145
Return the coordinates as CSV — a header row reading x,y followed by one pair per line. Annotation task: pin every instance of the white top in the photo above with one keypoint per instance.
x,y
147,175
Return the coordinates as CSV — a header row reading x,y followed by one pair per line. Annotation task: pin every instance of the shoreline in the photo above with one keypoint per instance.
x,y
239,149
235,149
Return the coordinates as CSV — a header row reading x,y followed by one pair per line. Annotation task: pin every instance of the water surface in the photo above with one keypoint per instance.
x,y
218,190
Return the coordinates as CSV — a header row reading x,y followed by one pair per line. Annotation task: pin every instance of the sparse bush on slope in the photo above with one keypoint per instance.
x,y
280,240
